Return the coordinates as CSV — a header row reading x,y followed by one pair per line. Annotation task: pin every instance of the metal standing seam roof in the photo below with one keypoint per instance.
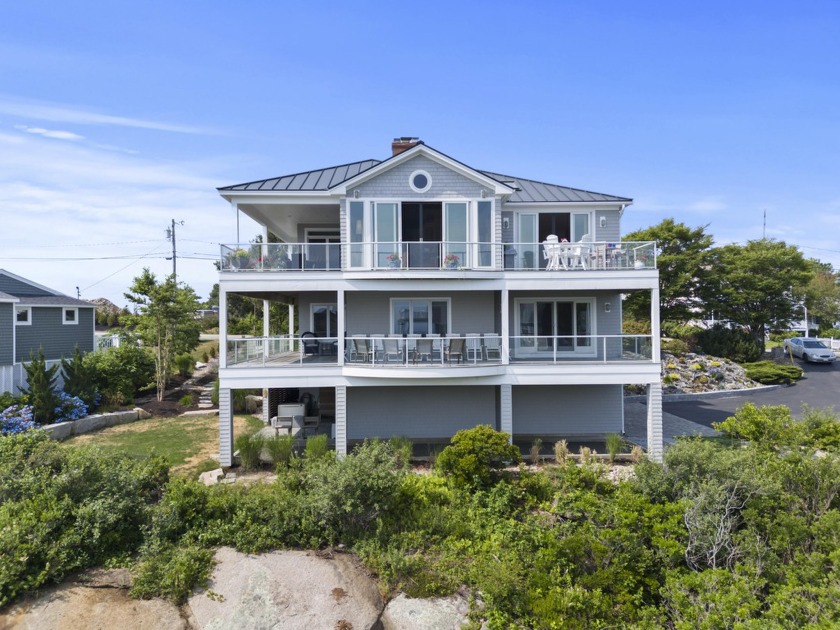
x,y
527,190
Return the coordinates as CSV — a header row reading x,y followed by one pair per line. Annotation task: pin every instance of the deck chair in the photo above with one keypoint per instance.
x,y
363,349
492,347
392,352
456,348
423,348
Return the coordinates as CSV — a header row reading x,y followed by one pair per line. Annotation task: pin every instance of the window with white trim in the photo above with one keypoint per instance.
x,y
70,316
23,315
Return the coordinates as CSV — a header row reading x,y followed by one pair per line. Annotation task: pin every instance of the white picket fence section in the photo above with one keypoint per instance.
x,y
13,377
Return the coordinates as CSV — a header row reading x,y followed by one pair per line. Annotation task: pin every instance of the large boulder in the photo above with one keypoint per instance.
x,y
440,613
289,589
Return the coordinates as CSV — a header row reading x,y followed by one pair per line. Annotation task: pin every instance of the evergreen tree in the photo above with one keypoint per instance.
x,y
41,391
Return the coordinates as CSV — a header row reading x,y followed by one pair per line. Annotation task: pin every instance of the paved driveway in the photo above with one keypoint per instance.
x,y
819,388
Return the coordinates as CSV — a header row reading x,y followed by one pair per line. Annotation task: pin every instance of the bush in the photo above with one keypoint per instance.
x,y
171,571
184,364
474,454
41,390
614,445
731,343
250,448
122,372
681,331
831,333
214,394
316,447
69,408
780,336
770,373
16,419
677,347
279,449
186,400
80,379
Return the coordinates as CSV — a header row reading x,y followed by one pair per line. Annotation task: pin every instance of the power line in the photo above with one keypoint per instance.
x,y
153,251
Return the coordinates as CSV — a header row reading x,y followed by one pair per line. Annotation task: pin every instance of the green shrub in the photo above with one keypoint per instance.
x,y
186,400
534,453
214,394
205,357
474,454
402,447
184,364
41,387
677,347
731,343
122,372
668,379
780,336
770,373
80,379
681,331
614,444
171,571
316,447
279,449
635,327
831,333
65,509
250,448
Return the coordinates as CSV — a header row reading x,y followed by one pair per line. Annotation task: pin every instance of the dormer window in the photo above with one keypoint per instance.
x,y
420,181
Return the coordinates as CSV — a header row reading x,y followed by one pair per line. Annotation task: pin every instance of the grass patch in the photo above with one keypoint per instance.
x,y
187,442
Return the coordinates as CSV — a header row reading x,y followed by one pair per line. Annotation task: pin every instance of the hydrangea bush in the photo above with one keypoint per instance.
x,y
17,419
69,408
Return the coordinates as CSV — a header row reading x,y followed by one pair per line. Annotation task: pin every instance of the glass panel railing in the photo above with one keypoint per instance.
x,y
423,350
584,256
559,348
281,257
282,351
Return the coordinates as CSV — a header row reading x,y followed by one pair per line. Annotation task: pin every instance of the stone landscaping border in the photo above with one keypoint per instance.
x,y
64,430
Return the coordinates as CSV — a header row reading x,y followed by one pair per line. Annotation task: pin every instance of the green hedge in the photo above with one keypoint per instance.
x,y
770,373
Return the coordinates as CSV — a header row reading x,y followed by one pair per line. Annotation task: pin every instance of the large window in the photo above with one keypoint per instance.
x,y
546,326
357,234
420,316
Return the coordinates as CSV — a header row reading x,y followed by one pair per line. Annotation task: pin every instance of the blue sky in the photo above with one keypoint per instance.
x,y
115,119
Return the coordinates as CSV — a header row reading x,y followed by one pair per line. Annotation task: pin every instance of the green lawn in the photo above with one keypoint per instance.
x,y
188,442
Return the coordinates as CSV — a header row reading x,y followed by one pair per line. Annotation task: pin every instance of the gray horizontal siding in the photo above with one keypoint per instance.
x,y
18,288
57,339
393,183
412,412
567,410
370,313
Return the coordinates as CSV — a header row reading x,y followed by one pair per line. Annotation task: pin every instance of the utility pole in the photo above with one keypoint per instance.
x,y
170,234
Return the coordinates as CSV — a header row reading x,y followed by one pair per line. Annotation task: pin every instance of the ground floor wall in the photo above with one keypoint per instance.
x,y
580,410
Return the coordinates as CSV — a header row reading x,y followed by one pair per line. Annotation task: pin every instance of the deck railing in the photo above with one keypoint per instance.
x,y
429,351
438,255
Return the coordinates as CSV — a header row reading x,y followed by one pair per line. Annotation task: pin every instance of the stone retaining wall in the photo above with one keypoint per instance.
x,y
64,430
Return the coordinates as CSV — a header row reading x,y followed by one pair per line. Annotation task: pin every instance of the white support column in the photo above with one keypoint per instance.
x,y
506,409
339,305
341,420
291,326
654,324
222,327
225,427
654,421
505,326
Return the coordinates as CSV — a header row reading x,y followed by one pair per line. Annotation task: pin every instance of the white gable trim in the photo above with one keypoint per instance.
x,y
497,187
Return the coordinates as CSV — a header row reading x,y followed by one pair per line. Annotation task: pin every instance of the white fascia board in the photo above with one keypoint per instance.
x,y
3,272
421,149
282,197
9,300
567,206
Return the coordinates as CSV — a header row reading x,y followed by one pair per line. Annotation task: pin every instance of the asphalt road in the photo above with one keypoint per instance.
x,y
819,388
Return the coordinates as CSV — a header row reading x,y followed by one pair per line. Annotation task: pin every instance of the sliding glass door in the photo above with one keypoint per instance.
x,y
548,326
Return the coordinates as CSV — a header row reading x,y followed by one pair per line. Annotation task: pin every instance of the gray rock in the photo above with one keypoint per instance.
x,y
71,607
440,613
211,477
290,590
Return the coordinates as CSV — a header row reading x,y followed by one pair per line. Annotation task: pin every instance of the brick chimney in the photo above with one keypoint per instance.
x,y
403,144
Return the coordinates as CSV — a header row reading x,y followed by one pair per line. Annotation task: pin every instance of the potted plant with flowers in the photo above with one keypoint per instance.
x,y
394,261
451,261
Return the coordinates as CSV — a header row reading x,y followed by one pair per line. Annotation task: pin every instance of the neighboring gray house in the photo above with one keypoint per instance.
x,y
426,296
32,317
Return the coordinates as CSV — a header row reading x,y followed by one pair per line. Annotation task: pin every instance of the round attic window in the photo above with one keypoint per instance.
x,y
420,181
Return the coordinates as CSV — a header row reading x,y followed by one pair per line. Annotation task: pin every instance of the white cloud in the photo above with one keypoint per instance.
x,y
50,133
72,114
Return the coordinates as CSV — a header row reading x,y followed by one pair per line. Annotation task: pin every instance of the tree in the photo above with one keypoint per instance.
x,y
758,285
41,391
822,294
683,264
80,379
164,320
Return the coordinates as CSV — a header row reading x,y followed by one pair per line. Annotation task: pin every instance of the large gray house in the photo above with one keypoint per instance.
x,y
33,316
426,296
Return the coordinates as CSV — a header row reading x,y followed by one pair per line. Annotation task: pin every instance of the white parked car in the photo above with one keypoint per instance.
x,y
809,349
